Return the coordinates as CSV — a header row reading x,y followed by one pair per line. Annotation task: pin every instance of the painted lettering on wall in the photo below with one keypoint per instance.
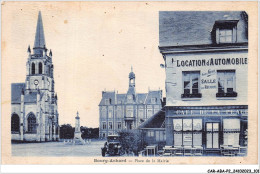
x,y
232,112
208,79
212,62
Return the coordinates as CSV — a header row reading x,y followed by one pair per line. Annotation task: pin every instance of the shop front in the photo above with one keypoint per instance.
x,y
209,127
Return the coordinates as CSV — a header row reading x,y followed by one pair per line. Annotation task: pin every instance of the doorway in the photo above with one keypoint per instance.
x,y
212,135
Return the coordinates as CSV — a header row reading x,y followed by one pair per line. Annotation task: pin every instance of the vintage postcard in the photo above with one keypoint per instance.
x,y
129,83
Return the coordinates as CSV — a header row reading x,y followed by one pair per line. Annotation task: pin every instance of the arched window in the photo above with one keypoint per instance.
x,y
31,123
33,68
15,123
40,68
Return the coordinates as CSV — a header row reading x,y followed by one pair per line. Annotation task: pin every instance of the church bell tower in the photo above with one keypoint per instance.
x,y
39,67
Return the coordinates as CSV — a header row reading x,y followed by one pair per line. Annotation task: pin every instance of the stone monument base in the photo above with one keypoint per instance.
x,y
77,139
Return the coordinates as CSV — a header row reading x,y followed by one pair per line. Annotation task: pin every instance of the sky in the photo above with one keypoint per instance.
x,y
94,46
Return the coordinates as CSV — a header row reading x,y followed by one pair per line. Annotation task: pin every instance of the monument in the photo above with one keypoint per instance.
x,y
77,133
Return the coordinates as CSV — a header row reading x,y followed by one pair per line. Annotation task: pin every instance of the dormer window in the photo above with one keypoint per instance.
x,y
225,36
224,31
108,101
153,100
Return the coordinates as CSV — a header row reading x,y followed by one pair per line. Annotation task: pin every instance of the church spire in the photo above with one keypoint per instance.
x,y
39,42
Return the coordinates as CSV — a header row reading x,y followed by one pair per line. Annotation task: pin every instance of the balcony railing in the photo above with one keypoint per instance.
x,y
228,94
198,95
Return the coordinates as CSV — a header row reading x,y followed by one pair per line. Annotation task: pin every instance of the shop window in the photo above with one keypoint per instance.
x,y
191,84
187,132
110,126
31,123
119,125
104,125
15,123
231,130
226,83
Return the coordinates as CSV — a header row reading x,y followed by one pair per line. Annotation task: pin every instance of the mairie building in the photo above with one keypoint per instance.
x,y
127,111
206,63
34,112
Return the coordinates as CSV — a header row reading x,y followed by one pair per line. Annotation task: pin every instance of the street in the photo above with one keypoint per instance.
x,y
58,149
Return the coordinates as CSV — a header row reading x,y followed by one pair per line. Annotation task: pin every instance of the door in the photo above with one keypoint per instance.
x,y
212,135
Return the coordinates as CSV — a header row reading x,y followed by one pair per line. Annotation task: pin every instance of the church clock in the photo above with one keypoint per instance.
x,y
36,82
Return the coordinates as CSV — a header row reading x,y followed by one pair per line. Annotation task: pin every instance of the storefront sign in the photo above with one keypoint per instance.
x,y
213,112
212,62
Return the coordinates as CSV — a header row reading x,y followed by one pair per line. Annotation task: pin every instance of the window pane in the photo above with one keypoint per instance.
x,y
228,32
222,39
209,140
197,124
110,114
187,139
177,139
209,126
149,113
231,124
187,124
157,135
221,86
215,126
197,139
222,32
215,140
231,139
228,39
177,124
186,84
195,91
186,91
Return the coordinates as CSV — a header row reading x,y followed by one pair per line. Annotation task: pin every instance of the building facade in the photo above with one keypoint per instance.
x,y
206,64
34,115
127,111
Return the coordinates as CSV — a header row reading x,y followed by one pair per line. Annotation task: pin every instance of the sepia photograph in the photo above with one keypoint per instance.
x,y
129,83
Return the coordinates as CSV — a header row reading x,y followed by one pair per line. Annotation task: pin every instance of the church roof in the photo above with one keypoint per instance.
x,y
156,121
30,98
16,90
39,41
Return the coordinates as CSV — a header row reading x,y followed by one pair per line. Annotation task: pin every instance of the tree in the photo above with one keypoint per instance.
x,y
131,140
66,131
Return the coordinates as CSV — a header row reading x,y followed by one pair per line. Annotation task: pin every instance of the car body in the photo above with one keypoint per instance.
x,y
112,147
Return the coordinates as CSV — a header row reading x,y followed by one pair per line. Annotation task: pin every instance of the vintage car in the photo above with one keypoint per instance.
x,y
112,147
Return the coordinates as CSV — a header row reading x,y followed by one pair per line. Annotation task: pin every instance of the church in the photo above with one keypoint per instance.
x,y
34,112
127,111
